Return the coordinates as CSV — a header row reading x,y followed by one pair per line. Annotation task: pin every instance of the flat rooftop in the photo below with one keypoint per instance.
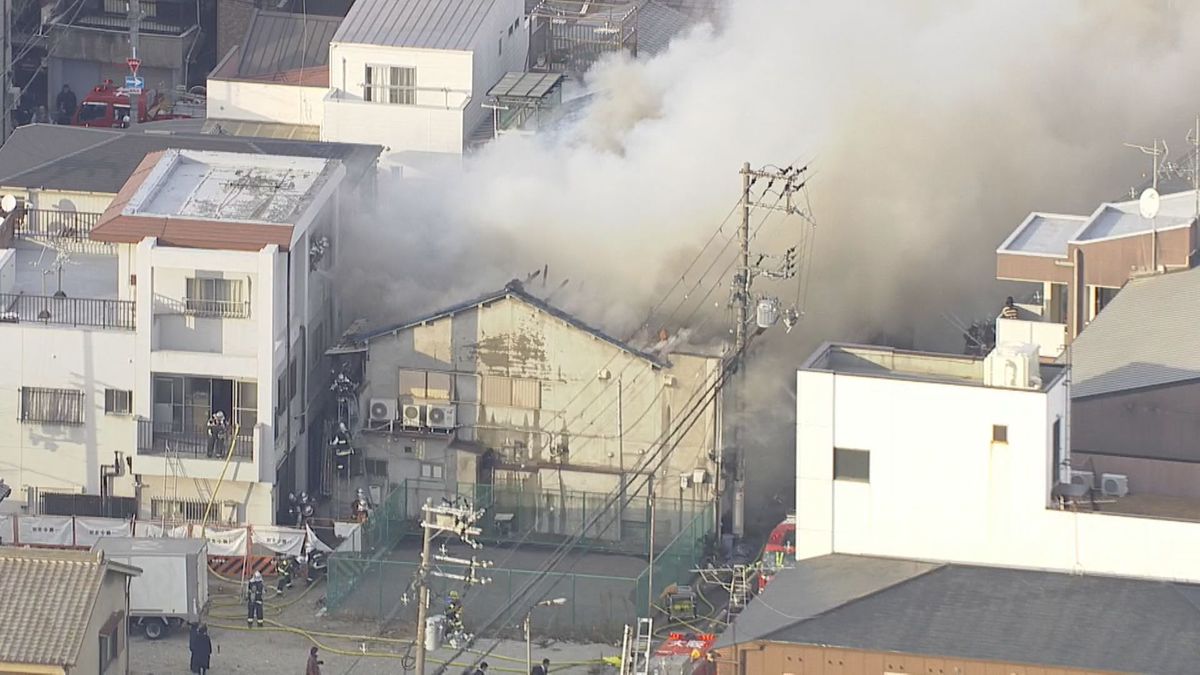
x,y
1050,234
84,275
228,186
902,364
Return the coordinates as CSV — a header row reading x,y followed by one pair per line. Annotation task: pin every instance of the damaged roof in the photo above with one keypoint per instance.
x,y
514,290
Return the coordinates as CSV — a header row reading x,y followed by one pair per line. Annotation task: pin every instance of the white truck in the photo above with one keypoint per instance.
x,y
173,586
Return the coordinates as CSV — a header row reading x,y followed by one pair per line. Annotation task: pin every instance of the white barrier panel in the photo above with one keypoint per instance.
x,y
143,528
89,530
285,540
227,542
45,530
6,529
351,536
315,542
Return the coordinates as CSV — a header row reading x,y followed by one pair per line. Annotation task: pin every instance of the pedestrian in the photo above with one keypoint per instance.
x,y
40,116
314,664
254,601
542,669
65,104
482,669
201,648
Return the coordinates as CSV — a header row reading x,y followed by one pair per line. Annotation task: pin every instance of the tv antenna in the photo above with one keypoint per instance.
x,y
1149,202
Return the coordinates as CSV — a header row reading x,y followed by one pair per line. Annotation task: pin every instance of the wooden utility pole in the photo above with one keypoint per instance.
x,y
6,69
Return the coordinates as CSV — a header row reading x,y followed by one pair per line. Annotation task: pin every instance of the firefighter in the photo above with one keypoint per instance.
x,y
361,507
216,432
285,569
341,448
254,601
315,567
1009,311
454,622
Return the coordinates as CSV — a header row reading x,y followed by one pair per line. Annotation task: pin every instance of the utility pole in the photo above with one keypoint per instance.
x,y
765,309
456,518
6,69
135,23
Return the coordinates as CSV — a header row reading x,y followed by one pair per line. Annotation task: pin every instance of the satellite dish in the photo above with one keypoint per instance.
x,y
1148,203
8,203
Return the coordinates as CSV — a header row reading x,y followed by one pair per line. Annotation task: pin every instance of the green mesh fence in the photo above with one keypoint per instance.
x,y
674,564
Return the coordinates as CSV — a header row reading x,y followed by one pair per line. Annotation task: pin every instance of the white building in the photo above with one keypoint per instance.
x,y
509,391
410,75
204,287
948,458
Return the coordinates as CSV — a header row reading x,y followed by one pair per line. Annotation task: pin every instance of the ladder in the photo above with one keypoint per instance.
x,y
739,587
171,489
635,648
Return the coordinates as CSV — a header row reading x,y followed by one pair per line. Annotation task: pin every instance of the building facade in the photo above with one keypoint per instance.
x,y
507,391
205,286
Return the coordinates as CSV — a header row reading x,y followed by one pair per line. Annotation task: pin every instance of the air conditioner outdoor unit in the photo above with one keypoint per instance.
x,y
1083,478
411,415
440,417
383,410
1114,484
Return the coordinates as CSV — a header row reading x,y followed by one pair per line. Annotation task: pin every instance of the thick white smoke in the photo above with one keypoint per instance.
x,y
932,129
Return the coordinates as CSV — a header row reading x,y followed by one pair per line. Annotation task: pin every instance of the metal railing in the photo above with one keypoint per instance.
x,y
223,309
56,311
191,444
49,223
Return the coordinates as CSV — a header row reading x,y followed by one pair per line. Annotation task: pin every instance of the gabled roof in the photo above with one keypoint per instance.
x,y
514,290
417,24
1145,337
1088,622
283,47
101,160
46,599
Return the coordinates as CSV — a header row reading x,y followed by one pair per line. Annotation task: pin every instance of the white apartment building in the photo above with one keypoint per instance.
x,y
948,458
411,75
510,391
204,286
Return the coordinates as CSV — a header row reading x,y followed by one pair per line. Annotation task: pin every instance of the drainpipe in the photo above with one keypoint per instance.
x,y
1078,295
287,364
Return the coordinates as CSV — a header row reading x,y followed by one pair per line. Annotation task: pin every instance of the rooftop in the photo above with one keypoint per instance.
x,y
48,598
226,186
1145,337
1018,616
283,47
84,275
48,156
417,24
902,364
1050,234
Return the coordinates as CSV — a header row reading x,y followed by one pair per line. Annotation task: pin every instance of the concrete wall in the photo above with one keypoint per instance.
x,y
110,601
1051,338
265,102
940,489
510,338
35,454
502,46
1155,423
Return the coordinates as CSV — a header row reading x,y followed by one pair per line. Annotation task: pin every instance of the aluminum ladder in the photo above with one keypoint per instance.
x,y
635,652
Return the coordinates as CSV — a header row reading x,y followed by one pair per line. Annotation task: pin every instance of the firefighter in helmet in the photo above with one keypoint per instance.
x,y
254,600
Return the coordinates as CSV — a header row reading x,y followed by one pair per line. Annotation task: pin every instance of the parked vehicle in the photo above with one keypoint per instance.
x,y
173,587
107,106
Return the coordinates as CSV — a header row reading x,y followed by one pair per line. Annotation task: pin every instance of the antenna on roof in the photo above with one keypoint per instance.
x,y
1193,137
1150,202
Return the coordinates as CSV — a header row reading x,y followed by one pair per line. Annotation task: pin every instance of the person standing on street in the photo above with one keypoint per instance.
x,y
254,601
65,105
314,664
201,647
542,669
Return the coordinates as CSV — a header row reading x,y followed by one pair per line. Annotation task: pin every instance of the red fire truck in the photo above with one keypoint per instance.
x,y
685,654
107,106
781,546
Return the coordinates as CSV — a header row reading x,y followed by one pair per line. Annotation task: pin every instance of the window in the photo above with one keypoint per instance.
x,y
426,385
999,433
184,403
216,297
56,406
514,392
118,402
376,467
852,465
390,84
435,471
179,509
110,641
1103,297
1056,444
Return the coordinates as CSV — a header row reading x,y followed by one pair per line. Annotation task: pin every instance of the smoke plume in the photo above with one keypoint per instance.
x,y
931,129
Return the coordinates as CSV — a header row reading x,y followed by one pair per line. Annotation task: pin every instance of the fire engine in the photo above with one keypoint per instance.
x,y
685,654
107,106
781,546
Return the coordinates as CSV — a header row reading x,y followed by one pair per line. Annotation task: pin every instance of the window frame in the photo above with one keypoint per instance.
x,y
114,396
437,471
216,297
847,472
71,403
1000,433
399,85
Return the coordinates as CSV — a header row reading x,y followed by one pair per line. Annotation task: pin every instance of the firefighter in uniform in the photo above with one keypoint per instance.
x,y
254,600
361,507
454,622
285,569
341,448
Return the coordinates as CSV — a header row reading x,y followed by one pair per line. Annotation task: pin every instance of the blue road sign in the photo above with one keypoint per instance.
x,y
133,84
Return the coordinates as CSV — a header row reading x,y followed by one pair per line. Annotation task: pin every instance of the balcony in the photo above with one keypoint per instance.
x,y
64,311
190,444
1033,327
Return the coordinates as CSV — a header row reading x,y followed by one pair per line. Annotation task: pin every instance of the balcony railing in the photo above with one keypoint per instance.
x,y
52,224
190,444
223,309
78,312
